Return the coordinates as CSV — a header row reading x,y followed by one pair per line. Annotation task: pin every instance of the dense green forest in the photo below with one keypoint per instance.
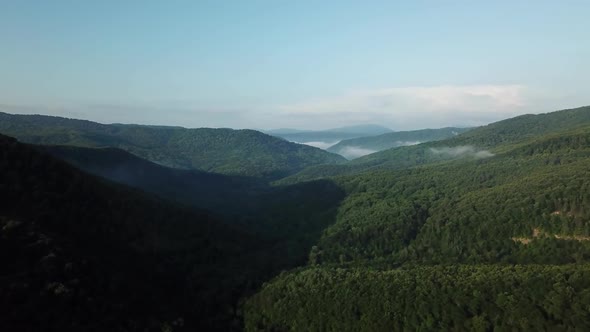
x,y
433,244
226,151
487,230
431,298
81,253
392,140
471,144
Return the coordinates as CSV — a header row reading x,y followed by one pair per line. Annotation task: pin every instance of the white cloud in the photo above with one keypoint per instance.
x,y
400,108
407,143
321,145
419,107
462,151
352,152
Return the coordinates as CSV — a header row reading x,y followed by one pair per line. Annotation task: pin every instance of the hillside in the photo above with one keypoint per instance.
x,y
290,215
439,298
358,147
113,257
107,255
434,247
199,189
83,253
477,143
226,151
486,230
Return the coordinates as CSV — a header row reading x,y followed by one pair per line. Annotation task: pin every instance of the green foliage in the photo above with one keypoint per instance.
x,y
495,241
80,253
396,139
470,210
440,298
496,137
114,258
226,151
487,230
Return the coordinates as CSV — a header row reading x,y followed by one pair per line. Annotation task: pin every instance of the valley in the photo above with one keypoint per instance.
x,y
480,204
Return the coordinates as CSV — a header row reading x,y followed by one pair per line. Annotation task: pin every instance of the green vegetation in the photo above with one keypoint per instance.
x,y
226,151
81,253
200,189
487,230
432,243
382,142
439,298
494,137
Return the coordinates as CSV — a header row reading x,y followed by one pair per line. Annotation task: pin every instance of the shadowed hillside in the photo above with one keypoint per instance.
x,y
81,253
226,151
474,242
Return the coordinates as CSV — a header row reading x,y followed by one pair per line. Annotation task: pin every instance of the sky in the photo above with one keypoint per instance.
x,y
294,64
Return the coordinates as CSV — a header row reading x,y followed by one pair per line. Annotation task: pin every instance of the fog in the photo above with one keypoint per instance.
x,y
352,152
321,145
462,151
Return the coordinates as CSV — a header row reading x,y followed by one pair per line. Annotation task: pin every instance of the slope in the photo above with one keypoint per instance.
x,y
357,147
479,142
440,246
226,151
81,253
199,189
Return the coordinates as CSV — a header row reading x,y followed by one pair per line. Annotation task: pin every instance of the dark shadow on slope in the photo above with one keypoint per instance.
x,y
281,224
295,217
194,188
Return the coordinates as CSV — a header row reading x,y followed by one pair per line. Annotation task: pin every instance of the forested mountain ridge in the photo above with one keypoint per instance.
x,y
431,298
199,189
283,213
475,232
90,254
435,246
226,151
475,143
395,139
102,256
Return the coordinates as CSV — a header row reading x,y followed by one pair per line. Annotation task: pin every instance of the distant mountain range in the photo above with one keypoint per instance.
x,y
358,147
329,136
487,229
225,151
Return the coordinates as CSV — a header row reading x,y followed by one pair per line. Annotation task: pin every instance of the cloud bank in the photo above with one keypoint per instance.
x,y
352,152
462,151
321,145
400,108
418,107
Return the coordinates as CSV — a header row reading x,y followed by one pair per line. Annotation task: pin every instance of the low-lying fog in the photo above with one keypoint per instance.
x,y
321,145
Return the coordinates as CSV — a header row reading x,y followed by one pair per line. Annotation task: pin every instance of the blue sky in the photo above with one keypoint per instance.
x,y
305,64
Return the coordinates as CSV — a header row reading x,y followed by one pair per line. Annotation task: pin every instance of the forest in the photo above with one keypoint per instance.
x,y
486,230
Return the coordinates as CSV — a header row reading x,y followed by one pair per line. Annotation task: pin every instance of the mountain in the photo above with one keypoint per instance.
x,y
245,201
486,230
329,136
494,236
225,151
116,258
430,298
475,143
81,253
199,189
358,147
